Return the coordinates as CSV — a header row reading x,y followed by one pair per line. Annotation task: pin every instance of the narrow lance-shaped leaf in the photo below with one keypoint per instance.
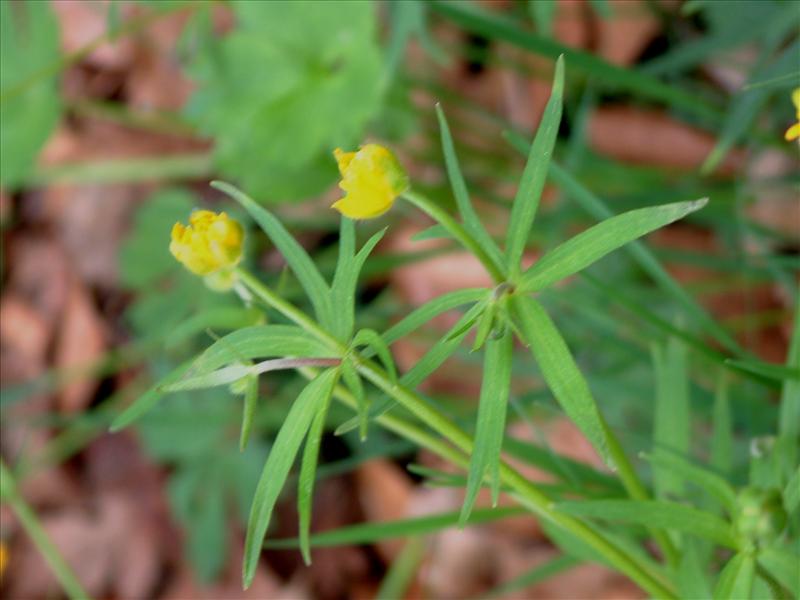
x,y
722,433
789,425
490,428
308,471
472,222
298,259
736,579
429,310
709,481
593,244
353,382
656,513
371,339
530,188
249,405
278,464
147,401
559,369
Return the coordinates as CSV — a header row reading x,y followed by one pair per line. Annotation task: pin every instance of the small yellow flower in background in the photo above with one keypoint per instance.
x,y
3,558
794,131
210,243
372,178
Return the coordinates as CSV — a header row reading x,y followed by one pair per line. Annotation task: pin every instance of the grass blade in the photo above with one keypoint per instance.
x,y
249,405
431,309
402,570
707,480
782,565
722,434
373,340
308,470
559,370
490,428
472,222
736,579
656,513
531,184
692,582
593,244
536,575
789,425
278,464
295,255
149,399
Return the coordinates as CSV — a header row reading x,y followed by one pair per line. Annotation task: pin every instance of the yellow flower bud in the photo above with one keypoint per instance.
x,y
372,179
209,243
794,131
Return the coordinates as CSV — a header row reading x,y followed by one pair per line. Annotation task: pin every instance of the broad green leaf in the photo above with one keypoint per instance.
x,y
274,133
308,473
736,579
373,340
149,399
722,433
491,422
431,309
369,533
249,406
298,259
657,514
472,223
278,464
345,279
30,102
707,480
782,564
591,245
559,370
531,184
671,420
259,341
692,582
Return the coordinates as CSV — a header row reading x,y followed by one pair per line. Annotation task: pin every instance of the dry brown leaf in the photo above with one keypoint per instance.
x,y
623,36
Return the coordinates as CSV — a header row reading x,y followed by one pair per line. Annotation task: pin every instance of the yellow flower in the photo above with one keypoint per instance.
x,y
210,243
372,178
794,131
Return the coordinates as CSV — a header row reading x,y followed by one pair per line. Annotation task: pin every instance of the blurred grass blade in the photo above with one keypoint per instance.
x,y
736,579
765,369
225,317
298,259
722,433
791,494
559,370
529,192
536,575
542,12
373,340
789,425
692,582
431,309
707,480
308,469
369,533
658,514
149,399
401,572
671,419
490,428
249,406
472,222
278,464
345,280
591,245
611,77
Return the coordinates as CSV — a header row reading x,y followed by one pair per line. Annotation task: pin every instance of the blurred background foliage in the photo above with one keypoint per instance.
x,y
260,93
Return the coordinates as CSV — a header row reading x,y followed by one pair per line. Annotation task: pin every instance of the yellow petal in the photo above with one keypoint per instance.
x,y
793,132
343,159
796,100
212,242
372,178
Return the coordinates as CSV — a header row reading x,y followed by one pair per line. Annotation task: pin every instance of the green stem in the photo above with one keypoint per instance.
x,y
455,228
526,492
10,494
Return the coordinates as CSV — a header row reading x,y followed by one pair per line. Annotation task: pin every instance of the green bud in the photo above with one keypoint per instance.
x,y
760,516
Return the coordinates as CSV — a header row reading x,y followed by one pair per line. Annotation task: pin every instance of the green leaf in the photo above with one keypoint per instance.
x,y
736,580
345,278
485,323
149,399
782,565
542,12
278,464
671,421
538,574
789,425
308,473
369,533
353,382
559,370
765,369
249,406
223,317
707,480
531,184
373,340
722,434
791,493
431,309
259,341
402,570
30,102
591,245
658,514
490,428
472,222
274,133
692,582
298,259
